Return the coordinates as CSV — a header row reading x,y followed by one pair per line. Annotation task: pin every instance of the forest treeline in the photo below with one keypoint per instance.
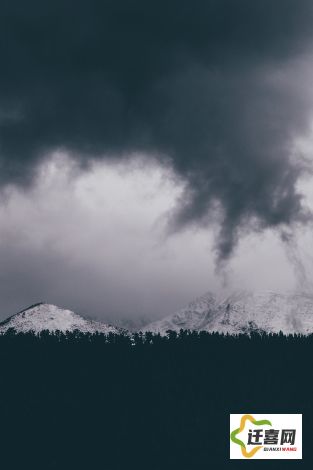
x,y
116,402
47,338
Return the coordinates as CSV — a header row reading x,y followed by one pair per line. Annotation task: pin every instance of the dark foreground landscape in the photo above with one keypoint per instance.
x,y
93,402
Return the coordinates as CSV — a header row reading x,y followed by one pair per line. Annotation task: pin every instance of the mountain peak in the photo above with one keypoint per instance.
x,y
42,316
33,306
243,311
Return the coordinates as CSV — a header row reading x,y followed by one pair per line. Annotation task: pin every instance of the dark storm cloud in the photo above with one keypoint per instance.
x,y
210,84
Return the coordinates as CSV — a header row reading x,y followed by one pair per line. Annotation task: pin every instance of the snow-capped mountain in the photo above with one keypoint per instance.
x,y
241,312
43,316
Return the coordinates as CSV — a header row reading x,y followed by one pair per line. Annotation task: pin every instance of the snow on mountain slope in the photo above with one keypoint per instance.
x,y
42,316
241,312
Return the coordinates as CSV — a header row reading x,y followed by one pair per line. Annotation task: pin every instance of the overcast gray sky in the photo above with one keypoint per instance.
x,y
150,151
97,242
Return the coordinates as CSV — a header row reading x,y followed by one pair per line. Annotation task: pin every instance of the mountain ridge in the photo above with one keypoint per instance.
x,y
243,311
240,311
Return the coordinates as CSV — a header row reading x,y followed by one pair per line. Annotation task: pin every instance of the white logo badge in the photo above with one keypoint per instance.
x,y
266,436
